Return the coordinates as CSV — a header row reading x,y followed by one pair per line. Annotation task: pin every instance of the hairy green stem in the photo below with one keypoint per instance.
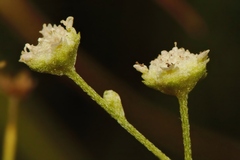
x,y
121,120
149,145
183,98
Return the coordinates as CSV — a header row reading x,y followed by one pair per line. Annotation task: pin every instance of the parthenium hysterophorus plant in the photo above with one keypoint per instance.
x,y
174,73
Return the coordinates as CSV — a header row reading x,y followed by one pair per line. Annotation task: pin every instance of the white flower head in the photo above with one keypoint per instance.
x,y
175,71
56,51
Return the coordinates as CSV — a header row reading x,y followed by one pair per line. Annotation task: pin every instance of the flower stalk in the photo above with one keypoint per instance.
x,y
10,136
183,99
15,88
116,114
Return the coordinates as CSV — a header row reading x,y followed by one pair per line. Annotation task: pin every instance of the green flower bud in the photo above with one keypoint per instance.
x,y
174,72
56,51
114,101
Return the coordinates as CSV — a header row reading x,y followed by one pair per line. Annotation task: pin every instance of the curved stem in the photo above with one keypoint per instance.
x,y
183,98
149,145
120,119
10,137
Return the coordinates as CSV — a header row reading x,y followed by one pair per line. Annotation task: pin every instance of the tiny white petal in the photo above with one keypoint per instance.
x,y
68,23
140,67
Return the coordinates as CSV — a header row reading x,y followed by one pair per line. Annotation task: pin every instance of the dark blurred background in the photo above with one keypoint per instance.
x,y
59,122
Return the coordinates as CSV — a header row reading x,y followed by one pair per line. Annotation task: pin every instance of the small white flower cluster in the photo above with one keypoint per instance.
x,y
55,35
56,44
174,70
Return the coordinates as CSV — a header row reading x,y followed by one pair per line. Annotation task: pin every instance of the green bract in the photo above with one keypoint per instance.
x,y
56,51
175,71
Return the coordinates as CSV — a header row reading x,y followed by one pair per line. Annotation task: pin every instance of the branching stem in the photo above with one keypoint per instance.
x,y
120,119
